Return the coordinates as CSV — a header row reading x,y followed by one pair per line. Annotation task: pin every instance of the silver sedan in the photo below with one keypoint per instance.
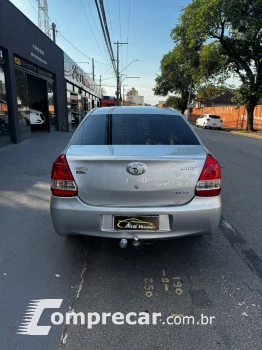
x,y
135,173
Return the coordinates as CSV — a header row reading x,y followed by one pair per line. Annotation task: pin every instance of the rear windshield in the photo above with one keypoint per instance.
x,y
213,116
136,129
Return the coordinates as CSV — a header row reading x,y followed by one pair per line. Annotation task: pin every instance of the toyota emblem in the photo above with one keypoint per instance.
x,y
136,168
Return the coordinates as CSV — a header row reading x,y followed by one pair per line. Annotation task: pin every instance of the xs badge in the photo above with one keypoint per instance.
x,y
136,168
80,170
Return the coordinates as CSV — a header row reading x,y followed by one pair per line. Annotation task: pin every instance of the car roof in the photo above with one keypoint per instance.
x,y
135,110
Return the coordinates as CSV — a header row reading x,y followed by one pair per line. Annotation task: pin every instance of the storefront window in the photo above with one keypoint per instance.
x,y
45,73
22,63
82,106
4,119
51,105
69,87
23,104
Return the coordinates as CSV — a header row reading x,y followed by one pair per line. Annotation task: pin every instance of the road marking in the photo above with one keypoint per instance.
x,y
149,284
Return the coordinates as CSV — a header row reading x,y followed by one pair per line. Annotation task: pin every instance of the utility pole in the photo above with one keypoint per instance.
x,y
100,86
118,85
54,32
93,69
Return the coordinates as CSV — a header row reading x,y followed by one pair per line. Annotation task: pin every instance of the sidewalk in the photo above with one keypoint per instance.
x,y
32,157
35,263
257,134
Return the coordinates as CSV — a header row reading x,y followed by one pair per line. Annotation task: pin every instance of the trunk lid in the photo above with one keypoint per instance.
x,y
215,120
103,179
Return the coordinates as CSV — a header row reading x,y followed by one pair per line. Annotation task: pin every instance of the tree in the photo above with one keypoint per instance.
x,y
175,76
207,91
175,102
233,29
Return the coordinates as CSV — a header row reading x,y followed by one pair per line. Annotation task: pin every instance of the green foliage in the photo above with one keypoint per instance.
x,y
210,90
228,34
175,102
176,75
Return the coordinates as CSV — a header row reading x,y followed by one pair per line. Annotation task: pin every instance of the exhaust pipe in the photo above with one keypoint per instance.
x,y
123,243
136,242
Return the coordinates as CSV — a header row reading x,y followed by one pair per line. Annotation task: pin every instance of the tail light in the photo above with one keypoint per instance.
x,y
208,119
62,181
209,183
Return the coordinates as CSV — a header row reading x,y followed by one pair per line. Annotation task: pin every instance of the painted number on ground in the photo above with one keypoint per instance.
x,y
173,283
148,286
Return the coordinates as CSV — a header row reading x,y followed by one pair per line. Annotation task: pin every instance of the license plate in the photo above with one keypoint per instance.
x,y
136,223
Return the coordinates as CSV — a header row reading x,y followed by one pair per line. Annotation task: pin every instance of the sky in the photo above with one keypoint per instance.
x,y
144,24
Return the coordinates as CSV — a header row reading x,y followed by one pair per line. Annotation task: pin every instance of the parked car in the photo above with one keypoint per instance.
x,y
135,173
34,116
209,121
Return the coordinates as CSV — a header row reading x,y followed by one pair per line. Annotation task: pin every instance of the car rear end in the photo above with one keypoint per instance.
x,y
135,173
214,121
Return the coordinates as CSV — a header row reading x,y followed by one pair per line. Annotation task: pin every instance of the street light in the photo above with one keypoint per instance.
x,y
128,65
129,78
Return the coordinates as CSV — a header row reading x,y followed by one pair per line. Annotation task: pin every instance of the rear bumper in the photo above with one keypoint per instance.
x,y
71,216
214,125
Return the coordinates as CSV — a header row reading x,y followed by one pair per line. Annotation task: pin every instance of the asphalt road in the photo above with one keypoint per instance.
x,y
219,276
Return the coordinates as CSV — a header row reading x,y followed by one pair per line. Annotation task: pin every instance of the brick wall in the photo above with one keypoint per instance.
x,y
232,117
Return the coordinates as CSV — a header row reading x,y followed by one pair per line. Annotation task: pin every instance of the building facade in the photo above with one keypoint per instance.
x,y
133,98
82,92
37,80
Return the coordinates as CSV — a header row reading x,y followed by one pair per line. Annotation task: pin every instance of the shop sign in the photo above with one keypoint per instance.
x,y
77,76
36,52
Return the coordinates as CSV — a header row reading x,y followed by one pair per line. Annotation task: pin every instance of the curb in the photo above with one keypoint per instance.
x,y
253,135
246,134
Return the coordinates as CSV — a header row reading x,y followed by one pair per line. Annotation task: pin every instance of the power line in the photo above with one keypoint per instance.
x,y
110,20
119,13
78,49
128,22
33,6
67,39
103,22
106,72
99,33
111,77
91,28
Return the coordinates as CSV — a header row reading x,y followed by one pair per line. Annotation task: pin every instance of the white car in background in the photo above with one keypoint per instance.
x,y
209,121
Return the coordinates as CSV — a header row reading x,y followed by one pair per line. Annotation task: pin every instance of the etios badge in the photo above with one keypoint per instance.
x,y
136,168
